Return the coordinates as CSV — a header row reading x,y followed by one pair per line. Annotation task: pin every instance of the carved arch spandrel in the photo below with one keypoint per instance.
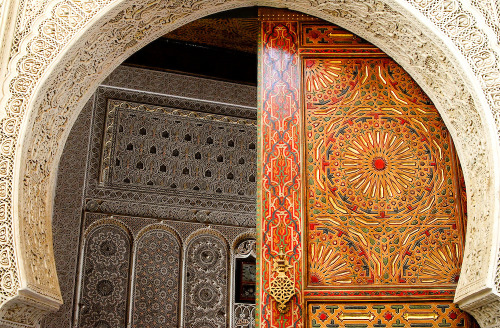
x,y
241,238
79,42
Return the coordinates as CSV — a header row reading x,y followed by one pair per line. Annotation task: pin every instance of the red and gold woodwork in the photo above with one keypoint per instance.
x,y
360,186
382,186
279,194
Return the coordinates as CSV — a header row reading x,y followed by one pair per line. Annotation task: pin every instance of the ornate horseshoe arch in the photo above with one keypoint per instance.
x,y
61,50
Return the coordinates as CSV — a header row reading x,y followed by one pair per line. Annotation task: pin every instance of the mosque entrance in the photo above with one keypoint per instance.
x,y
341,162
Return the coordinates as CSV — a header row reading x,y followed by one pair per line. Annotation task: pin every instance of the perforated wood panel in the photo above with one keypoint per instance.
x,y
181,158
152,148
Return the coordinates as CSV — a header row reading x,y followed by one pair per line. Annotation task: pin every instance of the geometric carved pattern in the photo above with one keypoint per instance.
x,y
387,315
246,248
206,282
105,277
177,160
170,150
458,22
156,280
383,190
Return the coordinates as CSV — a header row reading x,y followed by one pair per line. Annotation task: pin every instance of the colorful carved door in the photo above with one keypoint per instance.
x,y
361,202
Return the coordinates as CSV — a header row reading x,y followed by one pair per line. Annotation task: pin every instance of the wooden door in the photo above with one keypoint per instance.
x,y
361,198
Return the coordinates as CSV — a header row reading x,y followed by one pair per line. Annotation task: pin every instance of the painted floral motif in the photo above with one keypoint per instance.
x,y
382,178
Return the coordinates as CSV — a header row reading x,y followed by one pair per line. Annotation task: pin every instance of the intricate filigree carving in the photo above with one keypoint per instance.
x,y
485,311
105,276
246,248
208,178
244,316
156,280
66,220
206,282
111,40
167,150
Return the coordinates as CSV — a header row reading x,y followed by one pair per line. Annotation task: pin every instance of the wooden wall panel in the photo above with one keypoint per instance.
x,y
105,276
156,280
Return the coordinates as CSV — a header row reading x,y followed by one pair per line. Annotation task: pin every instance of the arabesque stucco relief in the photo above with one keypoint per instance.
x,y
54,54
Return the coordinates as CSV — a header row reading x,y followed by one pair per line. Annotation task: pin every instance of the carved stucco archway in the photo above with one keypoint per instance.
x,y
61,50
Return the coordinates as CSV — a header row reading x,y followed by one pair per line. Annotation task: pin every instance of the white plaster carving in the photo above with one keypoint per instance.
x,y
61,50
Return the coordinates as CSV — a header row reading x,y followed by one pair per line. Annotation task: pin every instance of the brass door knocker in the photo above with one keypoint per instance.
x,y
282,287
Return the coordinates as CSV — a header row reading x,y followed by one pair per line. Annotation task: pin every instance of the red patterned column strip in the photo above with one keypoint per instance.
x,y
279,169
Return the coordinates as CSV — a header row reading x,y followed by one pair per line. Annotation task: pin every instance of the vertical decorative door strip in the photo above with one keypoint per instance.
x,y
279,197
